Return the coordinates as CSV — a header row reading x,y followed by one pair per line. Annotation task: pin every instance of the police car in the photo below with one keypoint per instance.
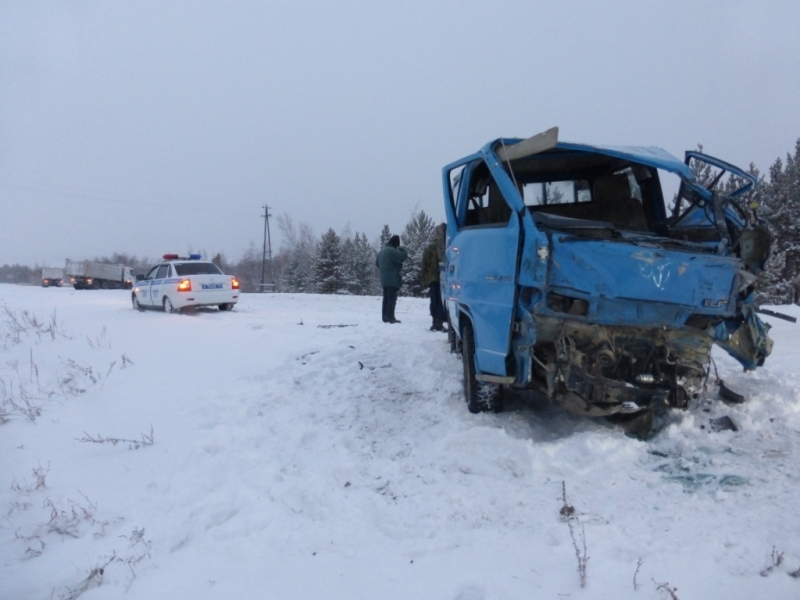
x,y
183,282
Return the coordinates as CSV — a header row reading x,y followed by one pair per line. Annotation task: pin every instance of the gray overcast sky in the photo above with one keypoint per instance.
x,y
148,127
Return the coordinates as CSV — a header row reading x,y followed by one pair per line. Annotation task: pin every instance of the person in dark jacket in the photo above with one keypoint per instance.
x,y
389,262
433,255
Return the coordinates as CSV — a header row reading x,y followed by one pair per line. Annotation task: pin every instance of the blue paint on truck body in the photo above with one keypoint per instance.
x,y
575,275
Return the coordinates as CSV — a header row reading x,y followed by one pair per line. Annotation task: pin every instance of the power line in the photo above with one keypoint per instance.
x,y
108,198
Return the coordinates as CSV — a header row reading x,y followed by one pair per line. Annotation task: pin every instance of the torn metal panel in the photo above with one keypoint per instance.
x,y
745,338
540,142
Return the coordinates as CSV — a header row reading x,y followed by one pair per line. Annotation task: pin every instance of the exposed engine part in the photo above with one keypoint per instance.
x,y
604,357
602,371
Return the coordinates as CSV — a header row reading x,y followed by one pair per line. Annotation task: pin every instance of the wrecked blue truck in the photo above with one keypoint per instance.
x,y
567,271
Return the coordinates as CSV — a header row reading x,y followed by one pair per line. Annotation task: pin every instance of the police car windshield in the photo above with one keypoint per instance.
x,y
197,268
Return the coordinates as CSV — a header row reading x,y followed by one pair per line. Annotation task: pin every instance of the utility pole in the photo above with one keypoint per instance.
x,y
267,249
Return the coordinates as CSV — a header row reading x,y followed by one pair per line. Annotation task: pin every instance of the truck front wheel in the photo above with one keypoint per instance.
x,y
451,337
480,396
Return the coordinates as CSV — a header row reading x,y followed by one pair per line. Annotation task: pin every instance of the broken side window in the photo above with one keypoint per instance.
x,y
486,205
455,177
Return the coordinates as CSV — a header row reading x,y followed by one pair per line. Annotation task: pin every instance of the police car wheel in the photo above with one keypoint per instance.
x,y
226,307
168,307
135,302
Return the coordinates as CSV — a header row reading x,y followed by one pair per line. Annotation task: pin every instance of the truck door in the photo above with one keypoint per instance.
x,y
482,265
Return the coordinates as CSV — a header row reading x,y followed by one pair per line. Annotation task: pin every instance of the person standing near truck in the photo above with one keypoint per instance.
x,y
389,262
431,257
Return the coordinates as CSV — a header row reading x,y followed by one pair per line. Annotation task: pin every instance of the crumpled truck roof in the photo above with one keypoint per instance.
x,y
651,156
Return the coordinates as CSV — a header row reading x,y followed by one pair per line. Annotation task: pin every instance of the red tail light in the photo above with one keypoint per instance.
x,y
234,283
185,286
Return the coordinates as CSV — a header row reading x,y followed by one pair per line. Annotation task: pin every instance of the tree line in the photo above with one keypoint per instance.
x,y
337,263
778,194
344,263
333,263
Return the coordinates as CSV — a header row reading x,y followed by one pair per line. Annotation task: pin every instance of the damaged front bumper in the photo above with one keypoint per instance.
x,y
623,371
598,371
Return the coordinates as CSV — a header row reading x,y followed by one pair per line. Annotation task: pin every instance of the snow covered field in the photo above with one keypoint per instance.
x,y
271,456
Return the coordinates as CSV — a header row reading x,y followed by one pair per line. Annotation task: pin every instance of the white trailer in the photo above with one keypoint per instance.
x,y
52,276
87,275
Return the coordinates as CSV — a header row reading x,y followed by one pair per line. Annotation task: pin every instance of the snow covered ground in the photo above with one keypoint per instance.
x,y
271,456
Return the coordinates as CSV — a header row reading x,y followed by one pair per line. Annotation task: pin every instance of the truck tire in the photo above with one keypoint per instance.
x,y
451,337
168,307
480,396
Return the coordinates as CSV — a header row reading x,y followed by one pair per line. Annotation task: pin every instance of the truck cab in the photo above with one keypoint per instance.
x,y
567,271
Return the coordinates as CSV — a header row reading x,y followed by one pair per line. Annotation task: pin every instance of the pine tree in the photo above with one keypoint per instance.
x,y
298,275
348,267
363,270
297,256
416,236
781,205
223,264
385,235
328,269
